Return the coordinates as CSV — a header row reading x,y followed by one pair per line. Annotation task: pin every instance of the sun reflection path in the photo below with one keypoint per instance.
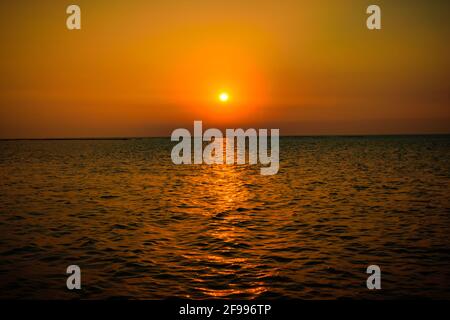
x,y
227,193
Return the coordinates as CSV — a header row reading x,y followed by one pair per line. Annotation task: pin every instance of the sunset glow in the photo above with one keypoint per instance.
x,y
159,65
224,97
224,159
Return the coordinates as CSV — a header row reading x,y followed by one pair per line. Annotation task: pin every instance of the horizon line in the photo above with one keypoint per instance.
x,y
281,136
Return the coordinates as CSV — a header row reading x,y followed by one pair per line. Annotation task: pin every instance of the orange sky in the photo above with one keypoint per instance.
x,y
144,68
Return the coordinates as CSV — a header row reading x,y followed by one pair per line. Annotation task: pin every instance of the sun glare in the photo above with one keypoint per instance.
x,y
224,97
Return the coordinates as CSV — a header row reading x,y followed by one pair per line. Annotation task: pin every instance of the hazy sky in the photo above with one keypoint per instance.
x,y
145,68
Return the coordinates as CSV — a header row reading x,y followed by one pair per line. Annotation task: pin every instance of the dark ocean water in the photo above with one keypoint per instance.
x,y
140,227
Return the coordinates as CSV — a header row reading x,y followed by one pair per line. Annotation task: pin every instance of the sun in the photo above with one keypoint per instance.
x,y
224,97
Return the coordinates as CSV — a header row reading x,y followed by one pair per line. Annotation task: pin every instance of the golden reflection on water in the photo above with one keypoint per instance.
x,y
142,227
227,186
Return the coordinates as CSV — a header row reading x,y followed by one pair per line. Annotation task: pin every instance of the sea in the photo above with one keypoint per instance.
x,y
140,227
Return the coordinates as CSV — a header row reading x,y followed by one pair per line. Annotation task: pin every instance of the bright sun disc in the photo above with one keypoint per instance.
x,y
224,97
